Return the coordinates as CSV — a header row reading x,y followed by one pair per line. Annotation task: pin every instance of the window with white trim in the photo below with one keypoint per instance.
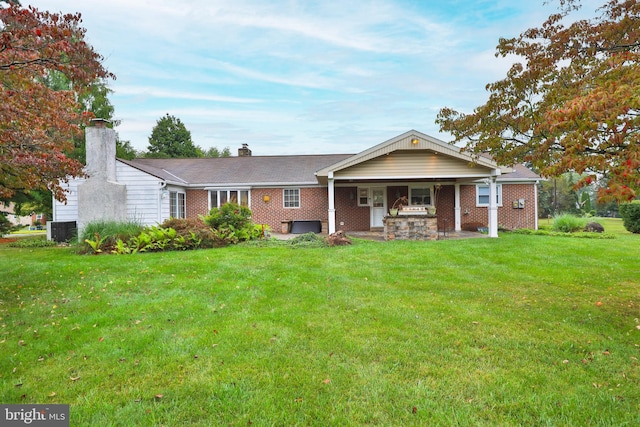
x,y
482,195
218,198
420,196
177,205
363,196
291,197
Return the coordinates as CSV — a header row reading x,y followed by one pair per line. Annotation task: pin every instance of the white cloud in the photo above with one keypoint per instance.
x,y
285,71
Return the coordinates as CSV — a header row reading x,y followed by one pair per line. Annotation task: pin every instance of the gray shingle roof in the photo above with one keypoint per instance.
x,y
519,173
251,170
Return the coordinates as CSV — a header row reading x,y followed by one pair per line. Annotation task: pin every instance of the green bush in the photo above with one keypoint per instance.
x,y
231,223
33,242
5,225
197,234
568,223
630,213
101,236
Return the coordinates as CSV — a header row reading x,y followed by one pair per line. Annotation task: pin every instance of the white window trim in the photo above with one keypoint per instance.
x,y
284,190
367,197
227,190
498,195
179,213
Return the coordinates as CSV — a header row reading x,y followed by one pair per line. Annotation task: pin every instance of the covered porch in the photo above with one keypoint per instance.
x,y
427,173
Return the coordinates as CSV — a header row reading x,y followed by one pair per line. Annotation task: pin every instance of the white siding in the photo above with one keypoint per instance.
x,y
68,211
412,165
144,194
147,203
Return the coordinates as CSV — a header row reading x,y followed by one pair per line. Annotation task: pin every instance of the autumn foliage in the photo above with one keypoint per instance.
x,y
570,103
37,123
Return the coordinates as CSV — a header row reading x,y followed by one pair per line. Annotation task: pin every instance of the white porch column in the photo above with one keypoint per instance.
x,y
535,201
332,205
458,219
493,208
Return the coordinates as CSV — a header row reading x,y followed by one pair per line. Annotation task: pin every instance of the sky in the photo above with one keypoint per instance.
x,y
298,76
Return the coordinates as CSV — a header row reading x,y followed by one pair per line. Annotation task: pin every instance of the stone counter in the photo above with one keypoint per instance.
x,y
411,227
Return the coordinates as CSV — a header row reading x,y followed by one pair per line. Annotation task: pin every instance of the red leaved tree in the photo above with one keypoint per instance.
x,y
37,123
571,104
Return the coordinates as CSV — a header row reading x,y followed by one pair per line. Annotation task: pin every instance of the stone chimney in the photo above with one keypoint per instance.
x,y
244,151
101,197
101,151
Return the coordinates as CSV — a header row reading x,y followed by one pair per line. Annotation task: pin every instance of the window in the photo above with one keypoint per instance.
x,y
218,198
482,195
420,196
177,205
363,197
291,197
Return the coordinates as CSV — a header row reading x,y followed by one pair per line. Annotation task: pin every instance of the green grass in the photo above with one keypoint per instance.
x,y
459,332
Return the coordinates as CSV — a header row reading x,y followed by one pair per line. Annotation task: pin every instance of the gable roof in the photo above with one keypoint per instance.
x,y
236,171
408,141
267,171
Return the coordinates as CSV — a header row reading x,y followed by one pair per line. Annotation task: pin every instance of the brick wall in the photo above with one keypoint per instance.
x,y
511,218
313,206
353,217
508,217
197,203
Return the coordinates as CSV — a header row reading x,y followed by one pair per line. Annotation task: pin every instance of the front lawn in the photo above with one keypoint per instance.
x,y
520,330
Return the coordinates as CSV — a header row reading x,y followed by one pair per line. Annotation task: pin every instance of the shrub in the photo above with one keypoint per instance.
x,y
568,223
197,234
630,213
33,242
229,215
231,223
5,225
101,236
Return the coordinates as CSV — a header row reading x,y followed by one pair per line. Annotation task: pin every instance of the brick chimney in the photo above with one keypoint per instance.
x,y
244,151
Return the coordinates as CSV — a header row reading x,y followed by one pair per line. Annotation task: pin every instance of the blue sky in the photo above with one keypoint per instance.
x,y
298,76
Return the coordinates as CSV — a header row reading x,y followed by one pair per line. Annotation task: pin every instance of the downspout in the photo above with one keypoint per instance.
x,y
163,185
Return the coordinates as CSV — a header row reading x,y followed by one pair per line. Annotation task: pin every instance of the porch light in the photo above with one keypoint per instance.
x,y
415,141
266,198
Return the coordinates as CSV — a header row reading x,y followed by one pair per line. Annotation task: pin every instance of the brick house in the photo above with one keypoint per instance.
x,y
351,192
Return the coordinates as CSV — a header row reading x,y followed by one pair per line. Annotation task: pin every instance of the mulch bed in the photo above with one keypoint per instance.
x,y
7,240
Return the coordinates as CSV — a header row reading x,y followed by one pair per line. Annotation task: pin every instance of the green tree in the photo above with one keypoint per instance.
x,y
558,195
215,152
124,150
38,123
571,104
171,139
